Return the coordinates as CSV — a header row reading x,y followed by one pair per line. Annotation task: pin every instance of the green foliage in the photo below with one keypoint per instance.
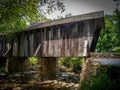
x,y
101,81
68,61
33,60
18,14
117,24
15,13
2,69
108,40
117,49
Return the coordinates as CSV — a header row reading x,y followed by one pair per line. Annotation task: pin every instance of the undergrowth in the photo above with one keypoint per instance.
x,y
102,81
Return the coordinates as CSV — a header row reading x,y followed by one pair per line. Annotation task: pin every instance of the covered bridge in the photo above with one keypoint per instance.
x,y
73,36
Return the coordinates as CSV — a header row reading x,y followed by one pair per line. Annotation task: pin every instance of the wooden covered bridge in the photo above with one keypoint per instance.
x,y
70,37
65,37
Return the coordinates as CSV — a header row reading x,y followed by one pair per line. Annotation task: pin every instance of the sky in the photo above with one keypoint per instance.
x,y
77,7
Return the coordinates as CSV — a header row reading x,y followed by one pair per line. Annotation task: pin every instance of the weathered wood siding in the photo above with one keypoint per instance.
x,y
54,40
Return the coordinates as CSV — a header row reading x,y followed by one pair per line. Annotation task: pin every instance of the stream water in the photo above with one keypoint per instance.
x,y
25,81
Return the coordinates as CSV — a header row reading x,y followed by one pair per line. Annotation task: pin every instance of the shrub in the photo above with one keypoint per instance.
x,y
101,81
33,60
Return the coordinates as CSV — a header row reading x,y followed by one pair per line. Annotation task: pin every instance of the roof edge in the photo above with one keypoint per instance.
x,y
92,15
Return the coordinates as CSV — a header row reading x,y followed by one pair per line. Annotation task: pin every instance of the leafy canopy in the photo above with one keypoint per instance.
x,y
17,14
109,40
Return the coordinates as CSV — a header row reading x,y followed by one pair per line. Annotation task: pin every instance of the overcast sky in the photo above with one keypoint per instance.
x,y
77,7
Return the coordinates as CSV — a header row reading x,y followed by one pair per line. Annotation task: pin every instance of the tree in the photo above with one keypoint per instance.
x,y
117,24
17,14
109,38
66,16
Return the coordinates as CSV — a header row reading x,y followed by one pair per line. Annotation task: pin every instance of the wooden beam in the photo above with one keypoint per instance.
x,y
9,47
38,48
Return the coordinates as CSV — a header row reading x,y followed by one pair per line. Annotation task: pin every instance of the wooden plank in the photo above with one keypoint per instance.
x,y
38,41
90,30
17,44
34,42
93,27
26,45
62,41
50,48
18,36
89,38
19,47
59,38
9,47
28,40
80,35
31,44
76,40
72,39
45,50
10,42
36,52
67,41
15,47
56,42
47,42
59,41
42,41
22,45
74,47
85,39
100,24
40,38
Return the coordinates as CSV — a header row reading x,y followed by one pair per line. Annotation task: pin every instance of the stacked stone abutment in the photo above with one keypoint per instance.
x,y
92,63
46,69
15,64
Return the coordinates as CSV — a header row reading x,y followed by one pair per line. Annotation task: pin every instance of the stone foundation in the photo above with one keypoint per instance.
x,y
46,69
88,70
17,64
2,64
91,64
